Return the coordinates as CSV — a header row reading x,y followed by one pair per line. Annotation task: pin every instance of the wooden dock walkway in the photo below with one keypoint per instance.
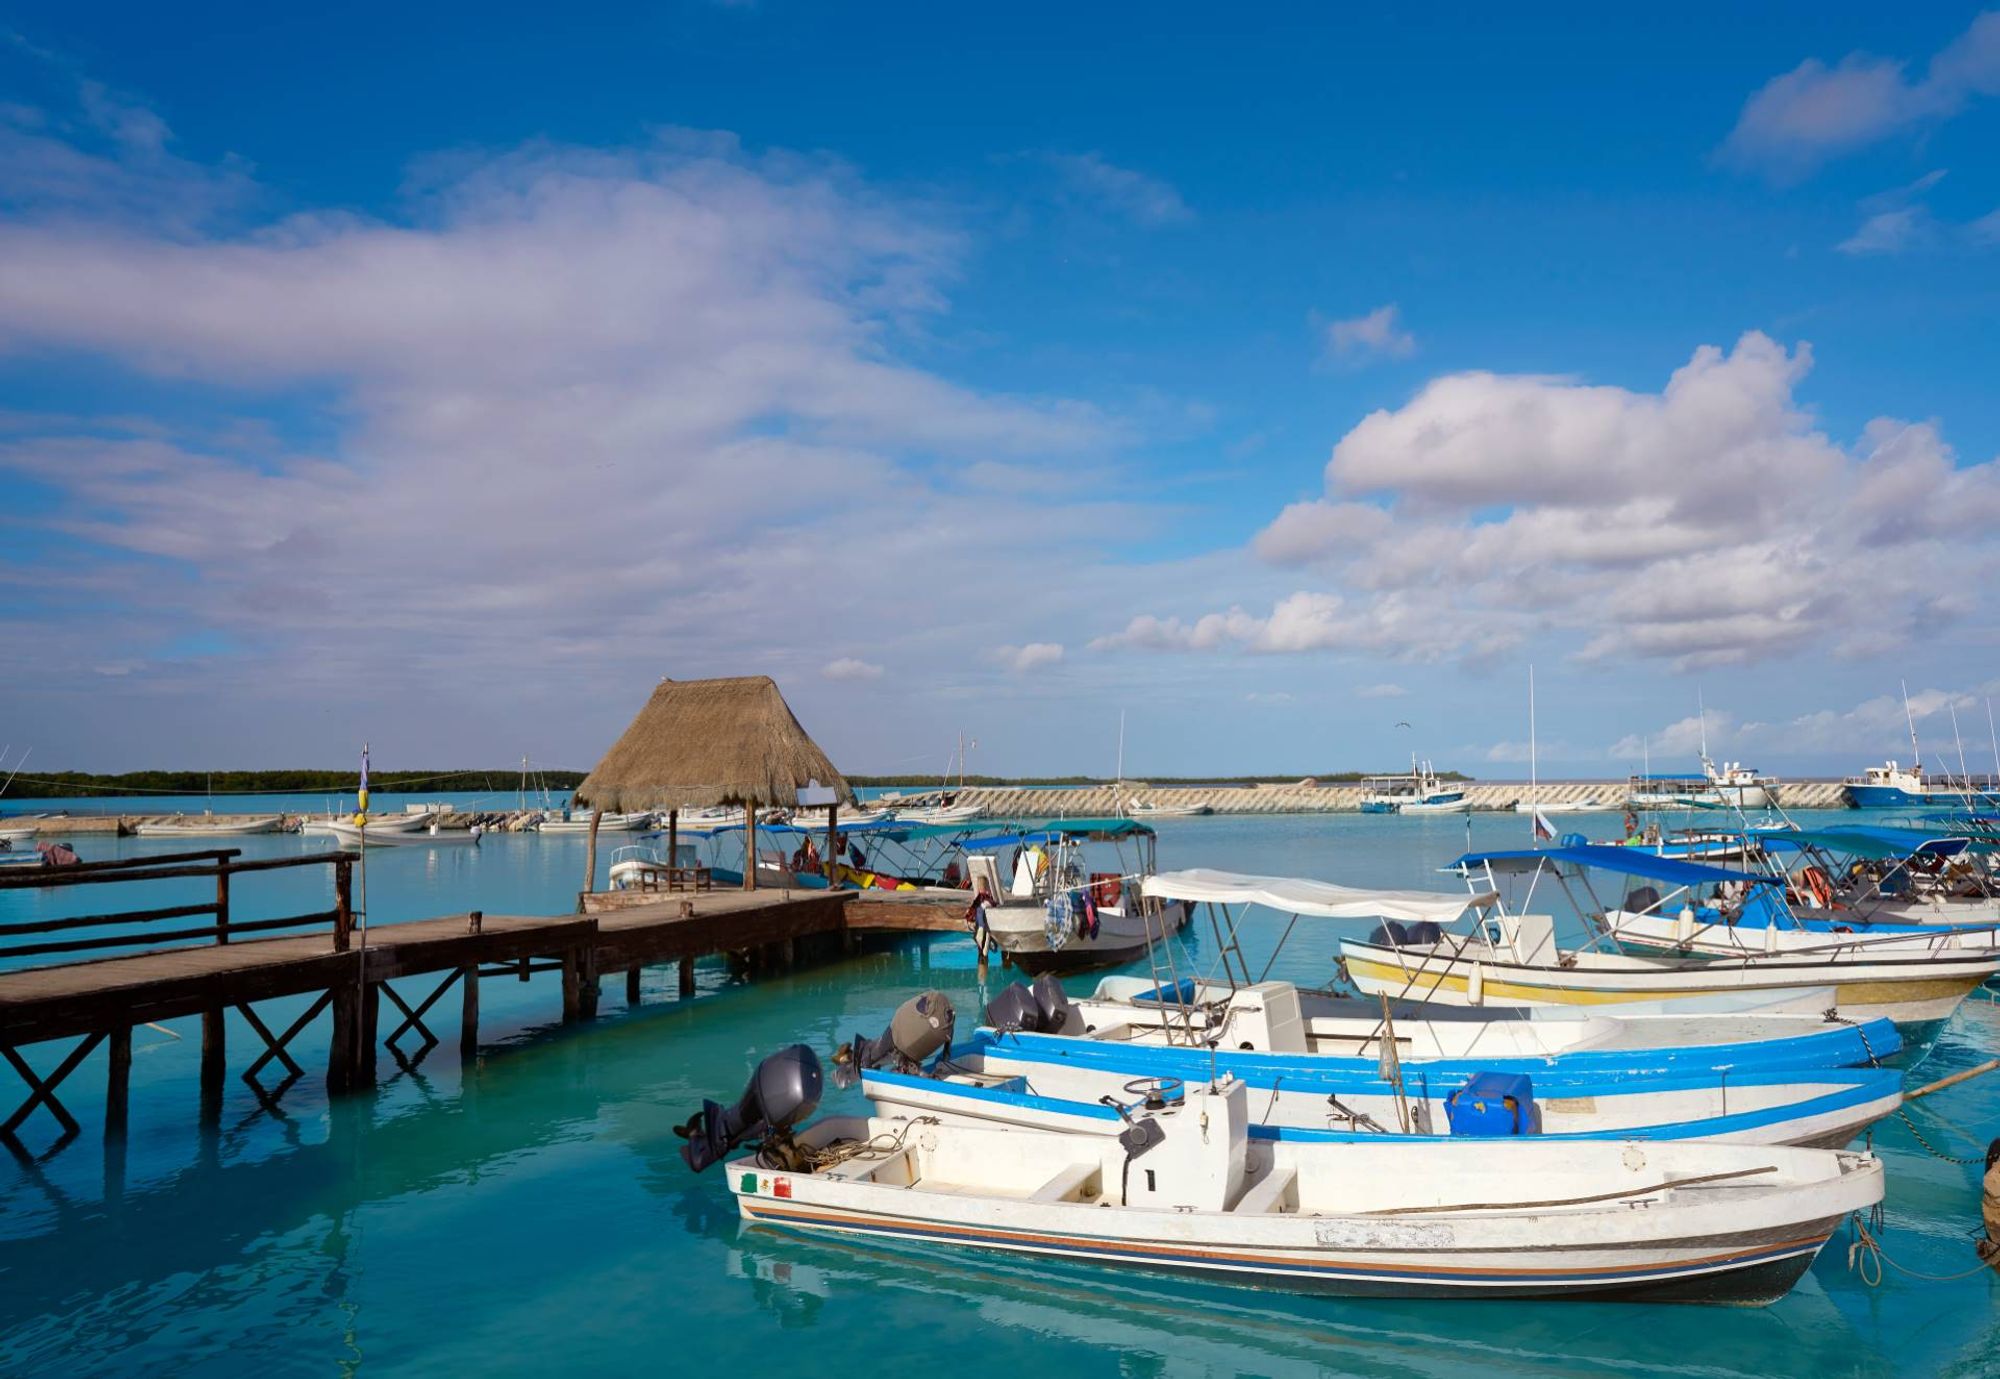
x,y
353,971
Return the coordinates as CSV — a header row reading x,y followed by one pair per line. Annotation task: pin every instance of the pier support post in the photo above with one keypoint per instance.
x,y
687,978
468,1030
340,1057
118,1083
589,984
750,846
631,986
213,1058
371,1023
572,984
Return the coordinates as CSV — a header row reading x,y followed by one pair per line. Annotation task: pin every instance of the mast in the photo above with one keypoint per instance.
x,y
1964,774
1996,743
1916,752
1701,709
1534,774
1119,787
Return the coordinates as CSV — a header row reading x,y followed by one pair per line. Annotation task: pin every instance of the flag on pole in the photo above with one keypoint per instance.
x,y
1545,831
361,798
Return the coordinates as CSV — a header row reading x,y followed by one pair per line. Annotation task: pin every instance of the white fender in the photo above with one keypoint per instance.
x,y
1475,985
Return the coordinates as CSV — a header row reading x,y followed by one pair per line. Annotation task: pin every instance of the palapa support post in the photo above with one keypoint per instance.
x,y
590,856
750,846
468,1029
832,840
673,843
214,1057
118,1083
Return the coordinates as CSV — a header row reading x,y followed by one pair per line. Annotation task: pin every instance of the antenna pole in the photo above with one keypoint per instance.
x,y
1996,743
1534,775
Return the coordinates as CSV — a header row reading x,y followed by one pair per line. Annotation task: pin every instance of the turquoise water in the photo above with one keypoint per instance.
x,y
529,1215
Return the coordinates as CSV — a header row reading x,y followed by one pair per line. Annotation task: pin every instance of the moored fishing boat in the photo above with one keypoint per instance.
x,y
1515,958
1050,908
1152,809
579,821
993,1081
1422,791
208,826
1187,1188
350,834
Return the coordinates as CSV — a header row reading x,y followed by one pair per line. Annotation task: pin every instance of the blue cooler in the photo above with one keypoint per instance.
x,y
1494,1104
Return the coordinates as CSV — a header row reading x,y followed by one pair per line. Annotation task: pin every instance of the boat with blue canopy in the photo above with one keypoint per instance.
x,y
1512,956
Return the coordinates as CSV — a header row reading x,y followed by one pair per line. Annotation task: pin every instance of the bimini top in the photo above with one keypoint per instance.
x,y
1875,841
1095,830
1630,861
1301,897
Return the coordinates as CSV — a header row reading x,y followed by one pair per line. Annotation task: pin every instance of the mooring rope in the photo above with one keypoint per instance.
x,y
1865,1256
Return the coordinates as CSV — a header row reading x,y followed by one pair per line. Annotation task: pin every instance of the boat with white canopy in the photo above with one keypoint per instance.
x,y
1174,1023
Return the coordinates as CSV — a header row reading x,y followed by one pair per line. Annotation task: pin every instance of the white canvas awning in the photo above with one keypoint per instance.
x,y
1323,899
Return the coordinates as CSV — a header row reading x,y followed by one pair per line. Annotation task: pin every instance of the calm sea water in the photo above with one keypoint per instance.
x,y
528,1215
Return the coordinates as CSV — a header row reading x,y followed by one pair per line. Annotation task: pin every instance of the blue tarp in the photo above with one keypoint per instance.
x,y
1628,861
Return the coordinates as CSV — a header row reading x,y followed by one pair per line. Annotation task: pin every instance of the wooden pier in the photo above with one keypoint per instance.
x,y
351,972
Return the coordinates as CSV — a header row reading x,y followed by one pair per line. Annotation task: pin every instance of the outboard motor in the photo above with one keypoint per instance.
x,y
921,1026
1043,1008
783,1091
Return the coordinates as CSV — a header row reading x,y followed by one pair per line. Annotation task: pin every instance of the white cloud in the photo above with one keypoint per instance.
x,y
597,402
1136,195
1890,232
1382,691
850,668
1707,524
1378,334
1034,656
1679,739
1815,112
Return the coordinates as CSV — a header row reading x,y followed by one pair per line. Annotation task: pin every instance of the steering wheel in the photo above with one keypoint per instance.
x,y
1155,1092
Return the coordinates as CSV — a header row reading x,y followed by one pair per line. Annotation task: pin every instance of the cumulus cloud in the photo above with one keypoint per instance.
x,y
1378,334
612,406
850,668
1130,193
1386,690
1710,523
1022,660
1813,113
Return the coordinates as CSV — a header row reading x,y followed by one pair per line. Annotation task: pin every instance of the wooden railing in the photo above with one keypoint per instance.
x,y
219,864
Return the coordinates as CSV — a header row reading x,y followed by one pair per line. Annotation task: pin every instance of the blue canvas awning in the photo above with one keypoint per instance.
x,y
1049,833
1628,861
1877,841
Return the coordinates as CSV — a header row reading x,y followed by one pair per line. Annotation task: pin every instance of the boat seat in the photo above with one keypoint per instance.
x,y
1267,1194
1067,1185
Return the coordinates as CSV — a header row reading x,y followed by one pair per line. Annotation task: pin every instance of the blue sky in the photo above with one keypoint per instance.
x,y
445,378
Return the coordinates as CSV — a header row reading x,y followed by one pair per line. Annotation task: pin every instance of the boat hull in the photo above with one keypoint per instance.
x,y
209,830
1910,991
1739,1226
1021,932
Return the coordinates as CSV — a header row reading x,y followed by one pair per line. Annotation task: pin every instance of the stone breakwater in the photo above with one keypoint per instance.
x,y
1095,801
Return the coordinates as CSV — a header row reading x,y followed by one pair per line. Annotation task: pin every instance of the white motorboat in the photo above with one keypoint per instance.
x,y
924,814
1419,792
1514,959
377,824
351,835
1559,807
208,826
1187,1188
16,833
991,1082
1150,809
579,822
1046,907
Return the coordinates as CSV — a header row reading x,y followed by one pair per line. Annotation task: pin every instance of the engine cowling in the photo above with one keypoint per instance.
x,y
784,1090
922,1026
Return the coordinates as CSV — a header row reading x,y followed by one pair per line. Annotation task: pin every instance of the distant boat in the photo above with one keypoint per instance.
x,y
377,824
376,836
1558,807
1730,785
579,822
1419,792
938,814
16,834
1147,809
208,826
1891,786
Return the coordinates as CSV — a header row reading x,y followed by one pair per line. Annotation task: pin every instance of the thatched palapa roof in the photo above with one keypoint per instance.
x,y
700,743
